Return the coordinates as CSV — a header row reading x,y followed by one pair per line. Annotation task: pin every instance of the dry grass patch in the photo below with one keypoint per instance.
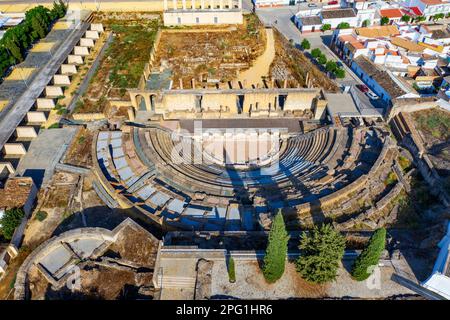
x,y
79,153
291,64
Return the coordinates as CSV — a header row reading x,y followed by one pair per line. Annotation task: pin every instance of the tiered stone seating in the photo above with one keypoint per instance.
x,y
186,195
301,157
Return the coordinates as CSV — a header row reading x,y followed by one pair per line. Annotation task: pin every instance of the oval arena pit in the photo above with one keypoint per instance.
x,y
149,169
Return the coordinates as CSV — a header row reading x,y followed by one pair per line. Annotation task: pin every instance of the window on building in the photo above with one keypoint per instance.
x,y
197,20
179,20
216,20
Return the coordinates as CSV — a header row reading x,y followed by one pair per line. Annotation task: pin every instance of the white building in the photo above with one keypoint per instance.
x,y
335,17
439,281
381,81
203,12
430,7
272,3
308,24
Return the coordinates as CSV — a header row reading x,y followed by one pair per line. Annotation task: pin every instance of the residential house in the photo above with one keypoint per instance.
x,y
336,17
309,24
394,14
272,3
381,81
429,8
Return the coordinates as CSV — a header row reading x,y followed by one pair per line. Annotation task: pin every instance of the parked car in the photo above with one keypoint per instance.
x,y
362,87
372,95
312,5
332,3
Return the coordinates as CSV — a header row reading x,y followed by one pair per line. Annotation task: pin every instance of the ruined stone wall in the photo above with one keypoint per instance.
x,y
306,209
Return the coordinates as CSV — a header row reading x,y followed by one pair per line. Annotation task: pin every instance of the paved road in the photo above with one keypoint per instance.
x,y
283,18
12,119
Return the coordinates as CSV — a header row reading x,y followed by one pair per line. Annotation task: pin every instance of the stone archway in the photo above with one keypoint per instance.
x,y
152,102
143,100
141,103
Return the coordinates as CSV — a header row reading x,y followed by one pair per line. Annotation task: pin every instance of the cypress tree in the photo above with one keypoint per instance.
x,y
14,49
276,252
231,270
369,257
321,251
37,27
10,221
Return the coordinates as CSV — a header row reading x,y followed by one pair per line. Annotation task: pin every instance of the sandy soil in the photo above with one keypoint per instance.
x,y
261,66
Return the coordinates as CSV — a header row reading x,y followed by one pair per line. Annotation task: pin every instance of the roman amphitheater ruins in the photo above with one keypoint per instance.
x,y
221,141
215,155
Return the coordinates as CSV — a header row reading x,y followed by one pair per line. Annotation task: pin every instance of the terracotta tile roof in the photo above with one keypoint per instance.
x,y
406,44
347,38
378,31
431,2
353,46
391,13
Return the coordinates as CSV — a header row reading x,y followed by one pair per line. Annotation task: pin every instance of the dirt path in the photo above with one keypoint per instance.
x,y
261,65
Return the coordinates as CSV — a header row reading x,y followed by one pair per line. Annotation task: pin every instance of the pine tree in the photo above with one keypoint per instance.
x,y
276,252
321,251
10,221
369,257
306,45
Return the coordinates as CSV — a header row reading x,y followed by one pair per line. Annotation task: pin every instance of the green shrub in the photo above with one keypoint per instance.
x,y
231,270
54,126
339,73
321,251
41,215
326,27
322,59
331,66
276,252
10,221
305,44
384,21
316,52
406,18
369,257
404,163
343,25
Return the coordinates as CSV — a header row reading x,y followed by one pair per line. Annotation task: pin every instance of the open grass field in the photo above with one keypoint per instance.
x,y
434,122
